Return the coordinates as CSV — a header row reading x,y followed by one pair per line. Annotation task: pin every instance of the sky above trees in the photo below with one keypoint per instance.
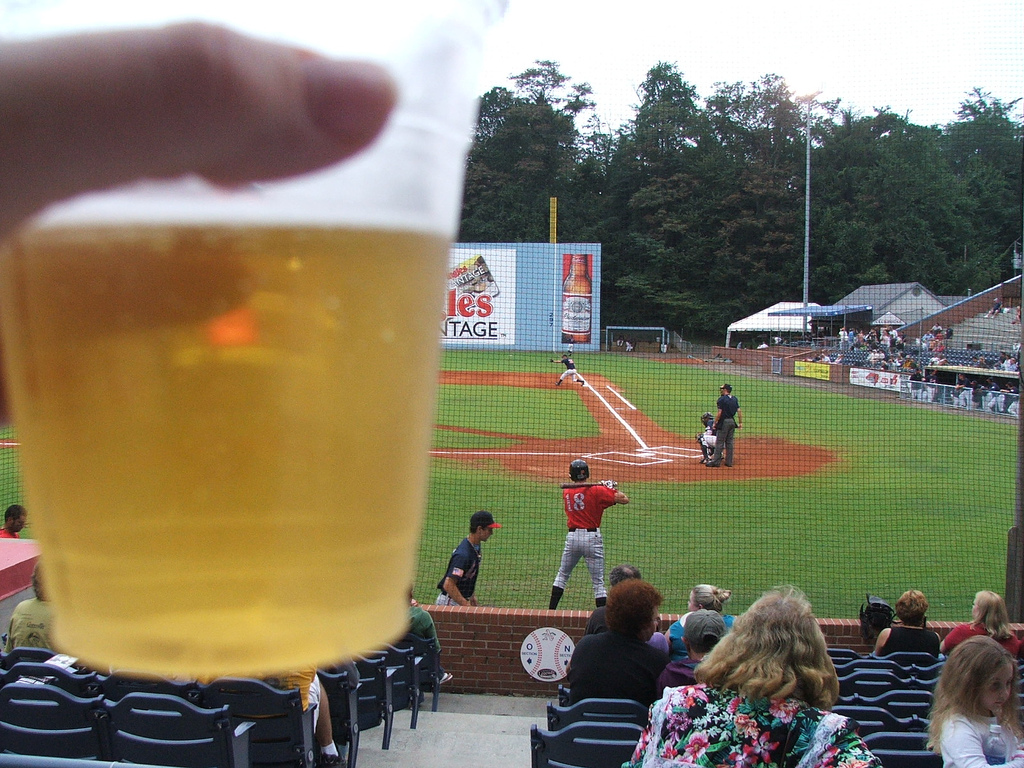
x,y
916,56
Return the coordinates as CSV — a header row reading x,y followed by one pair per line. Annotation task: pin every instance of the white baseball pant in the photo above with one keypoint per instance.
x,y
590,546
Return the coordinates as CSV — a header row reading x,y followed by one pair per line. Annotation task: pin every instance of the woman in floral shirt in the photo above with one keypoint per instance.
x,y
762,700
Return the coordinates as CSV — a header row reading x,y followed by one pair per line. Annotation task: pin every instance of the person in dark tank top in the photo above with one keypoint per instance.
x,y
910,634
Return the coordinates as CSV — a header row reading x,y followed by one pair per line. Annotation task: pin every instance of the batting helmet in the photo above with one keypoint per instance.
x,y
579,470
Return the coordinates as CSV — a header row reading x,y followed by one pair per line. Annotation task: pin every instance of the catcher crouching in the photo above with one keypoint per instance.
x,y
584,503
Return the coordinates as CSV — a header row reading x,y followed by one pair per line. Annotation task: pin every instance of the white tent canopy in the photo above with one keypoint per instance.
x,y
765,321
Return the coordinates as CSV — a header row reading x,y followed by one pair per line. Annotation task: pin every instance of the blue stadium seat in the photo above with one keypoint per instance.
x,y
283,736
164,729
375,696
873,719
842,655
908,758
339,685
21,653
82,684
115,687
428,663
901,740
597,711
584,745
47,721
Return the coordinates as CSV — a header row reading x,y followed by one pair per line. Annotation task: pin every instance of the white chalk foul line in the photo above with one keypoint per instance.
x,y
619,395
622,421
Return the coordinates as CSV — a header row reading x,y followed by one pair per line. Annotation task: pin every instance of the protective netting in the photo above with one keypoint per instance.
x,y
838,489
10,473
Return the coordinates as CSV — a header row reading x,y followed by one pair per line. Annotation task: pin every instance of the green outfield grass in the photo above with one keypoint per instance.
x,y
919,498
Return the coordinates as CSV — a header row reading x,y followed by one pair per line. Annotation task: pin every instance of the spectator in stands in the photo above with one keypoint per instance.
x,y
989,617
1016,316
702,632
421,624
32,619
977,689
619,664
910,634
997,307
596,623
705,596
15,518
764,692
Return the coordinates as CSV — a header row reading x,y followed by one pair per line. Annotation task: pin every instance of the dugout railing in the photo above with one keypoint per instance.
x,y
963,398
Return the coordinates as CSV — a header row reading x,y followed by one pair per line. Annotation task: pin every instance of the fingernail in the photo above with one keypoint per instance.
x,y
349,101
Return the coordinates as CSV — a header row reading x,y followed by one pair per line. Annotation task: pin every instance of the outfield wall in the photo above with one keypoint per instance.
x,y
510,296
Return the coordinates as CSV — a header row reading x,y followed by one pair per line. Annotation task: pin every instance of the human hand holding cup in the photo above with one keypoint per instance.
x,y
224,396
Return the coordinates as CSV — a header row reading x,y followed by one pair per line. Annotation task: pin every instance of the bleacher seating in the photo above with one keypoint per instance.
x,y
584,745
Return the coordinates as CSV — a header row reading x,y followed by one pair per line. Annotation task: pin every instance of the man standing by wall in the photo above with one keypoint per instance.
x,y
584,505
458,587
728,420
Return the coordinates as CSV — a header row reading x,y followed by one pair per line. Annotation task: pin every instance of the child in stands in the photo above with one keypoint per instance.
x,y
975,718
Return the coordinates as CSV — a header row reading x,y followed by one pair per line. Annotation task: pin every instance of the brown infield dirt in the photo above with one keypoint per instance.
x,y
631,447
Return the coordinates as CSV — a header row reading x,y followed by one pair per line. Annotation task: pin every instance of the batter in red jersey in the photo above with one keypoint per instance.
x,y
584,504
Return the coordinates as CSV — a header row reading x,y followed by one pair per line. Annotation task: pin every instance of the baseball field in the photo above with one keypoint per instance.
x,y
831,491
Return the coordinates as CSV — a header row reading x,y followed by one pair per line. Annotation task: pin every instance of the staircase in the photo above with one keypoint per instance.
x,y
997,334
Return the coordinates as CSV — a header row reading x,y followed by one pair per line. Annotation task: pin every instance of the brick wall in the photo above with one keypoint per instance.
x,y
481,646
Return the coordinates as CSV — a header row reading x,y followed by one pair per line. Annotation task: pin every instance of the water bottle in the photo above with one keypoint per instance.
x,y
993,745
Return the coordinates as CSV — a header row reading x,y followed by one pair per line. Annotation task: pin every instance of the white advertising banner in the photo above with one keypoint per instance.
x,y
480,300
866,377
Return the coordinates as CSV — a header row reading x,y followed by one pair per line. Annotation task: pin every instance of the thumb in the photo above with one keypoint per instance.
x,y
93,111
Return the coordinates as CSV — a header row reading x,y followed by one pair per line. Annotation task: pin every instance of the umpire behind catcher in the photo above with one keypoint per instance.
x,y
584,504
728,420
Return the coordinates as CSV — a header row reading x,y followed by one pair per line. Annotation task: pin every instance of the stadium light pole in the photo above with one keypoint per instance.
x,y
809,101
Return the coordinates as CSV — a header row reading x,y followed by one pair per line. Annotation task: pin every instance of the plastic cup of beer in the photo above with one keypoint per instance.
x,y
224,398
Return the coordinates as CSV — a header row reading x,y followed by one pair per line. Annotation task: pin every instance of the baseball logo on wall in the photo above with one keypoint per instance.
x,y
546,652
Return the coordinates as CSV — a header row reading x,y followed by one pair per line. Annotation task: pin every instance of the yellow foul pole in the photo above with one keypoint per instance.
x,y
553,220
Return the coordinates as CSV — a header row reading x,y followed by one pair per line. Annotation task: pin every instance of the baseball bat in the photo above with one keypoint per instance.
x,y
580,485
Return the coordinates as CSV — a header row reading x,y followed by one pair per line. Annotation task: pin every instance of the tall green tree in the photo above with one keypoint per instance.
x,y
526,151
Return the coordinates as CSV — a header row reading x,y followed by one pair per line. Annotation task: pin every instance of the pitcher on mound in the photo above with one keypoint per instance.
x,y
584,505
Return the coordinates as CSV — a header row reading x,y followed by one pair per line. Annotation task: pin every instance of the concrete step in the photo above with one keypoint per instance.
x,y
467,730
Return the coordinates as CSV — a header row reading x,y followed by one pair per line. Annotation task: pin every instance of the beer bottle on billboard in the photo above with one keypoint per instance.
x,y
577,301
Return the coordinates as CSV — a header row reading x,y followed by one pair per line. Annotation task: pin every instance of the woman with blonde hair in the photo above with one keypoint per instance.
x,y
977,690
762,699
910,634
706,596
989,617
